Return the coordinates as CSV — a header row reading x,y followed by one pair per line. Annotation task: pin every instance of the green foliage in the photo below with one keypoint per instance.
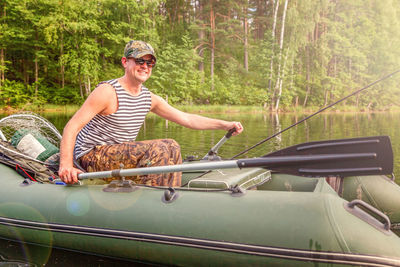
x,y
175,75
329,49
14,93
61,96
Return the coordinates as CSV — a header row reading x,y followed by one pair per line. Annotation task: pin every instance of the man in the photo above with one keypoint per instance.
x,y
101,134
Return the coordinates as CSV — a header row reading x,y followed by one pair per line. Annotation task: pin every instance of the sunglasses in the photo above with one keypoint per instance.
x,y
150,63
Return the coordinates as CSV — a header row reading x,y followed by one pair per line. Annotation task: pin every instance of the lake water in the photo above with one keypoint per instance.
x,y
197,143
260,126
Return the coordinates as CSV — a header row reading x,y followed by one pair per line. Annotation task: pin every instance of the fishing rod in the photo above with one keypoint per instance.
x,y
312,115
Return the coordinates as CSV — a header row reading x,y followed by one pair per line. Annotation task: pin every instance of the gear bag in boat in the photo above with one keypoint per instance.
x,y
26,167
30,144
33,144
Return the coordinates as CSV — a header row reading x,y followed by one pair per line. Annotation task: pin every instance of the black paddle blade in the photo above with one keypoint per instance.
x,y
343,157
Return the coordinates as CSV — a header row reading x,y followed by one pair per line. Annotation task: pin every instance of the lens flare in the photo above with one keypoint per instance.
x,y
38,255
78,203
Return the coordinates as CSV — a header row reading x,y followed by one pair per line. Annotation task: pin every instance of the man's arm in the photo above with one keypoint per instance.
x,y
98,102
160,107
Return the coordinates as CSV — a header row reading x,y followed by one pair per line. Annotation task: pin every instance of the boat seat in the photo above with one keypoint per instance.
x,y
227,178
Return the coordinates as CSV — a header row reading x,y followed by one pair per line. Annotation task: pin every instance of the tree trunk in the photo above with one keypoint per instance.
x,y
36,75
212,23
61,59
260,25
334,75
201,53
2,67
201,35
175,15
307,78
62,67
291,88
87,86
129,22
350,79
273,38
2,53
25,73
279,80
246,55
36,66
80,84
80,79
326,96
275,18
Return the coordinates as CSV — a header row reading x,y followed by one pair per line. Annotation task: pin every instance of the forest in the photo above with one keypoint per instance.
x,y
277,54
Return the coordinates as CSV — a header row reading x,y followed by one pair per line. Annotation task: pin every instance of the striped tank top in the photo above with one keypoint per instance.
x,y
118,127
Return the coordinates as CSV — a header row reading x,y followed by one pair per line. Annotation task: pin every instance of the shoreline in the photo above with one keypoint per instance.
x,y
212,109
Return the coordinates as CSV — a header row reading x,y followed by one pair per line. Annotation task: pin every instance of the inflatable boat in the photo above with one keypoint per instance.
x,y
266,211
276,219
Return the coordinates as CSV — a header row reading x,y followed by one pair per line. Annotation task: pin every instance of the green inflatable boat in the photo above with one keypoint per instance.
x,y
266,211
275,219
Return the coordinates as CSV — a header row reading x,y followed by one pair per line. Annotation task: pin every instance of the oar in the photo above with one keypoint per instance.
x,y
212,154
345,157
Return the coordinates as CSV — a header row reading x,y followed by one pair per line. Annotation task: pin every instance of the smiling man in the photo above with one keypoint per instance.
x,y
101,134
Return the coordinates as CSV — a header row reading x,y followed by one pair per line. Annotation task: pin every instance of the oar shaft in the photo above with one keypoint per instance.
x,y
213,151
161,169
215,148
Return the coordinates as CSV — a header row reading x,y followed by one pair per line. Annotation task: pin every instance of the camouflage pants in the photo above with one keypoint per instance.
x,y
137,154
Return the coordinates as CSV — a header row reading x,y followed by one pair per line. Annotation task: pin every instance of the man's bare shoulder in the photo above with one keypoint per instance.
x,y
104,88
101,98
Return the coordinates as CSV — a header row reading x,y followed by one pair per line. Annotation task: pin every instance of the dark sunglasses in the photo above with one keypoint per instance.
x,y
150,63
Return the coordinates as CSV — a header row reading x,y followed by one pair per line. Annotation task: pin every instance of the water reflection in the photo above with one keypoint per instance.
x,y
9,258
277,128
14,254
260,126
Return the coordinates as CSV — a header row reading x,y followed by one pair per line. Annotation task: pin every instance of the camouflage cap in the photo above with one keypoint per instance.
x,y
138,49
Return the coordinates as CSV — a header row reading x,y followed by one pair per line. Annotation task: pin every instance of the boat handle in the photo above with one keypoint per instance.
x,y
358,202
170,195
